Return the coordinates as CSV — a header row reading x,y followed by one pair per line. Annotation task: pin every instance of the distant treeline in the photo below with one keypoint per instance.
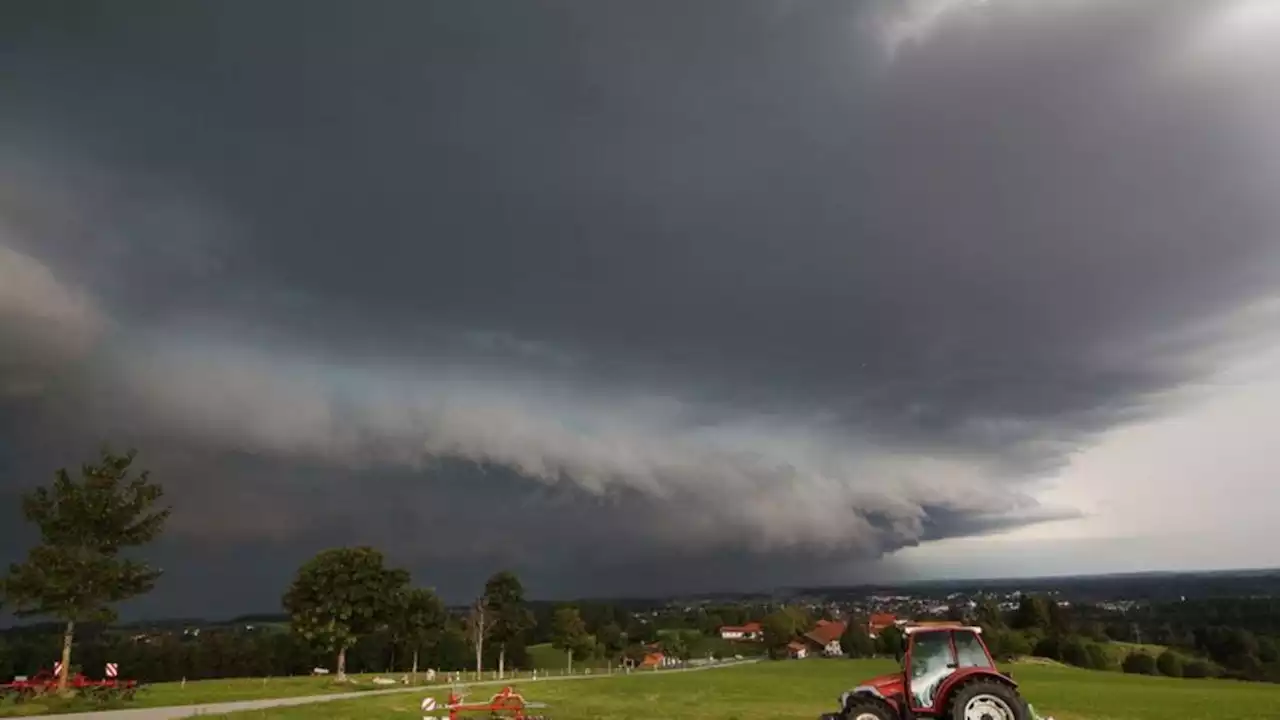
x,y
1145,587
161,652
1225,637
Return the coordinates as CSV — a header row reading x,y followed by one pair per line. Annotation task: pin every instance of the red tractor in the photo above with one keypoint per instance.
x,y
947,673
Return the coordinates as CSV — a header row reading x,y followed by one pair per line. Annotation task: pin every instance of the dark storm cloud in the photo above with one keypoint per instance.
x,y
740,282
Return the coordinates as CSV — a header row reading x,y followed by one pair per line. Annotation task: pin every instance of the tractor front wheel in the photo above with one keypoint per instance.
x,y
868,708
988,700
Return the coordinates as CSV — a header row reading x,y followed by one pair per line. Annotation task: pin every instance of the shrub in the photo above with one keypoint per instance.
x,y
1049,647
1139,663
1098,657
1169,664
1073,652
1016,644
1199,669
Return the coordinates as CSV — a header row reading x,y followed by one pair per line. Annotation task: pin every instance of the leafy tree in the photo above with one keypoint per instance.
x,y
1032,613
855,642
6,660
1049,647
1268,652
1139,663
76,573
780,627
610,636
569,633
418,619
890,641
988,615
1169,664
341,595
1016,644
642,632
1058,622
1073,652
508,617
1094,631
711,624
675,645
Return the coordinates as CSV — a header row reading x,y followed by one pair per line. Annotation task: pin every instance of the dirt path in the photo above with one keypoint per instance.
x,y
185,711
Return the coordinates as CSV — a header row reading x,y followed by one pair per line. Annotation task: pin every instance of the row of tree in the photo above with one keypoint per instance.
x,y
344,604
1043,628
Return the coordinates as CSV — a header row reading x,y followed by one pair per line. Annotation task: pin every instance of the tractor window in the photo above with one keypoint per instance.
x,y
931,663
969,650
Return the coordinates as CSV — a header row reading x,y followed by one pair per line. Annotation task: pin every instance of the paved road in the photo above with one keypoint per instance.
x,y
186,711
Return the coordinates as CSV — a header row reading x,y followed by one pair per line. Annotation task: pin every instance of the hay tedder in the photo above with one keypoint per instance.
x,y
506,704
46,682
947,674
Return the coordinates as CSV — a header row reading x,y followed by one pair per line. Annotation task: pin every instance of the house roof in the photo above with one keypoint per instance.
x,y
826,631
652,659
795,645
748,628
882,620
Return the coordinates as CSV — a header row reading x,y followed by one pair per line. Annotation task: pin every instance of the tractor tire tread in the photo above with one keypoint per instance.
x,y
861,705
961,696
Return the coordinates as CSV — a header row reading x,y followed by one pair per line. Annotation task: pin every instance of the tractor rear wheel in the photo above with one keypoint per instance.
x,y
987,700
868,708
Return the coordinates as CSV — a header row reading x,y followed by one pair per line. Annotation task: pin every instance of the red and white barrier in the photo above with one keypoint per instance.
x,y
113,670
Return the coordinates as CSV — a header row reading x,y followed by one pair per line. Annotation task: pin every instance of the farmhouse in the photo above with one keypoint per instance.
x,y
750,631
797,650
656,660
824,638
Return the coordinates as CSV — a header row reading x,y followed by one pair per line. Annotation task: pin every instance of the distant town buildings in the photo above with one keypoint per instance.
x,y
750,631
879,622
824,638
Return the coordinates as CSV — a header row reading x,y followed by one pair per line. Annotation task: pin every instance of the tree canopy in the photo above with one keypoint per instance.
x,y
506,614
417,620
342,594
569,633
76,573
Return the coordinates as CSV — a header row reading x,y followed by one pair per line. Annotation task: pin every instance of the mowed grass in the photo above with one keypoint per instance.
x,y
197,693
805,689
545,657
1118,651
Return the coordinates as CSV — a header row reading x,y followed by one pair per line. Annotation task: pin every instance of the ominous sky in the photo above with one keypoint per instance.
x,y
648,297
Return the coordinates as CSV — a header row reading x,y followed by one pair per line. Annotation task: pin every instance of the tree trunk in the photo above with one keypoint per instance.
x,y
502,660
479,644
67,635
342,664
415,667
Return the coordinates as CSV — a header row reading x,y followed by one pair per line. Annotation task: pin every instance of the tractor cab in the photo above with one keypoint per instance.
x,y
947,672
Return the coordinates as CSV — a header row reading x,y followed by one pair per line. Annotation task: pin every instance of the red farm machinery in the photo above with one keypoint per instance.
x,y
45,682
947,674
505,704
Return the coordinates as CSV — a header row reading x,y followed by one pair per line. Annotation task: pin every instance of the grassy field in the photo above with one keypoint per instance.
x,y
199,693
802,690
545,657
1118,651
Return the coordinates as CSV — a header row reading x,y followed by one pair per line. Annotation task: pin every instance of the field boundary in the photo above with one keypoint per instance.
x,y
174,712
